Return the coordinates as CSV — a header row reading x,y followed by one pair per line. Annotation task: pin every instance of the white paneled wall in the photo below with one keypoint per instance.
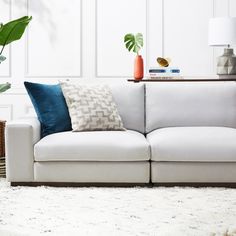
x,y
186,36
114,20
54,39
83,40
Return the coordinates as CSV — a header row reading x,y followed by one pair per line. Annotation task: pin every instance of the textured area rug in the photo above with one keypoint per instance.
x,y
30,211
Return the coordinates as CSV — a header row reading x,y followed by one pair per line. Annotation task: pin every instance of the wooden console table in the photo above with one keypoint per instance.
x,y
181,80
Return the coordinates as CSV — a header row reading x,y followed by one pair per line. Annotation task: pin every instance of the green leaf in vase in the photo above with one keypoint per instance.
x,y
133,42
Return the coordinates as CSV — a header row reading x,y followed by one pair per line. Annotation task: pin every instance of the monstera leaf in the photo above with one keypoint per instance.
x,y
13,30
133,42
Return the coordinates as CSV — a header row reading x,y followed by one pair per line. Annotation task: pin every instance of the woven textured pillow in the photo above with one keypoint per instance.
x,y
91,107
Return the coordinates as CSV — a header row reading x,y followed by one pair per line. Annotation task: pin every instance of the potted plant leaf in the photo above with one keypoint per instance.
x,y
135,43
9,33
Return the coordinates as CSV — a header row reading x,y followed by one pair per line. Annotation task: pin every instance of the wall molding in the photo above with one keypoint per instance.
x,y
163,28
209,11
147,32
8,106
28,75
229,8
96,44
213,15
27,109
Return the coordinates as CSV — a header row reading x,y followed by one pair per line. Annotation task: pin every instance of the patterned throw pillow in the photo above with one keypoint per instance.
x,y
91,107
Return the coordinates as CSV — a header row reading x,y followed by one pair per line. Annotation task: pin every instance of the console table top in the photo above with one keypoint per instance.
x,y
181,80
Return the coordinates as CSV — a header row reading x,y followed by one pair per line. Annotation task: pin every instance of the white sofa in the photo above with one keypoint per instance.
x,y
176,133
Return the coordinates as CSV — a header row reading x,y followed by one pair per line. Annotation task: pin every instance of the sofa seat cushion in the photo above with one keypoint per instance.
x,y
199,144
93,146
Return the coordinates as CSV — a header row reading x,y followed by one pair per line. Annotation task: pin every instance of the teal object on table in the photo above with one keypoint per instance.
x,y
50,106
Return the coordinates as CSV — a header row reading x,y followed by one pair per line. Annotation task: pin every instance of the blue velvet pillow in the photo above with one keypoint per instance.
x,y
50,106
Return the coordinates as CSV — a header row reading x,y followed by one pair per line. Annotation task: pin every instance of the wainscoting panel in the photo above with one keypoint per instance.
x,y
113,20
232,8
221,8
186,36
154,32
232,12
54,39
6,111
14,106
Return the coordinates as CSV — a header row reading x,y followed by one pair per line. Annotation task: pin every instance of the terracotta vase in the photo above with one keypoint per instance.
x,y
138,67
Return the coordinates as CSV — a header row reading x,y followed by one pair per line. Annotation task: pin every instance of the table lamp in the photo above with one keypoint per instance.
x,y
222,32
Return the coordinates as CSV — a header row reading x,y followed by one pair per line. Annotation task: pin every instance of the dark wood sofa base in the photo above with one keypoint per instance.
x,y
196,185
123,185
68,184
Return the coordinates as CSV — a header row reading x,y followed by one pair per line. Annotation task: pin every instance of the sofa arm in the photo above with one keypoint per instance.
x,y
21,135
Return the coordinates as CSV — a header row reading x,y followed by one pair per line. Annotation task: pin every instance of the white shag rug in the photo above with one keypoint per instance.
x,y
159,211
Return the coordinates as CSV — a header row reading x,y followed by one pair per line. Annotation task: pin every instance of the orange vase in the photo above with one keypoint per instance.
x,y
138,67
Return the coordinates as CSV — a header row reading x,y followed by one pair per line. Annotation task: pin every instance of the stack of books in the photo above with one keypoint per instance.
x,y
164,73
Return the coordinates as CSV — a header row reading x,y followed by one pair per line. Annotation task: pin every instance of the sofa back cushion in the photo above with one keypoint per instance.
x,y
190,104
129,99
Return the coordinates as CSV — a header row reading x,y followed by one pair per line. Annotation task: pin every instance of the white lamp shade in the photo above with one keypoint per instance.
x,y
222,31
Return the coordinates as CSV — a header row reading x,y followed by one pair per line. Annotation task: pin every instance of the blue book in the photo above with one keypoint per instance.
x,y
174,70
157,71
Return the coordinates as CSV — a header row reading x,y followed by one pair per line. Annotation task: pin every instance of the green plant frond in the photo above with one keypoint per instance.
x,y
133,42
131,46
4,87
139,39
128,37
13,30
136,48
128,44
